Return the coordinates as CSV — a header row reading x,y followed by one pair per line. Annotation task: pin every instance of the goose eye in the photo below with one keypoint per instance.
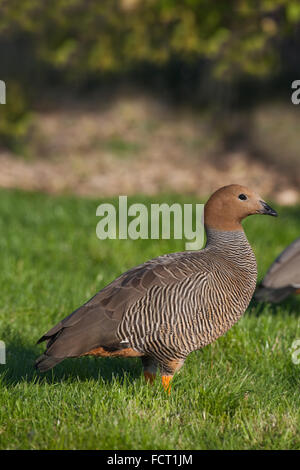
x,y
243,197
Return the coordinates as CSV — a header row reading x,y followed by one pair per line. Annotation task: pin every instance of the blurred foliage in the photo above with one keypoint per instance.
x,y
73,41
14,118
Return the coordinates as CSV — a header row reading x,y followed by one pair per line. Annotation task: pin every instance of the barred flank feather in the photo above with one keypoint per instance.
x,y
201,295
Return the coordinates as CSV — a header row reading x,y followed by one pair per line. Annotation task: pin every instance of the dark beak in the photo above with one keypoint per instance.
x,y
267,210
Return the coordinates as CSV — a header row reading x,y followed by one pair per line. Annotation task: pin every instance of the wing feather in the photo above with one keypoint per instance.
x,y
95,324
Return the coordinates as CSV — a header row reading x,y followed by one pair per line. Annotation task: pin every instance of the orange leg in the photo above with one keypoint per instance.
x,y
297,291
166,381
149,377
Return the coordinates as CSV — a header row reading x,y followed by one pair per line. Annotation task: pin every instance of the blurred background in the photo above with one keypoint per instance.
x,y
150,96
163,101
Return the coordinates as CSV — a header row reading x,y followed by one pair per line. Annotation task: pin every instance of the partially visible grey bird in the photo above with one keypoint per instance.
x,y
283,277
172,305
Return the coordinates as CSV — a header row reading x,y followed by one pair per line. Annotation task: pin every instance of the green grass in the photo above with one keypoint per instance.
x,y
242,392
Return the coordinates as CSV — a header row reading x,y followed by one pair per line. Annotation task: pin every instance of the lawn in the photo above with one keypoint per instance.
x,y
242,392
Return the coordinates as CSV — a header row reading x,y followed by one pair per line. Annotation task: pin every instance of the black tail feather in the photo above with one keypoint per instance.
x,y
44,362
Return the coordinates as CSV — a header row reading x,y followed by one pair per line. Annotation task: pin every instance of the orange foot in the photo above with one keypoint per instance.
x,y
149,377
166,381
